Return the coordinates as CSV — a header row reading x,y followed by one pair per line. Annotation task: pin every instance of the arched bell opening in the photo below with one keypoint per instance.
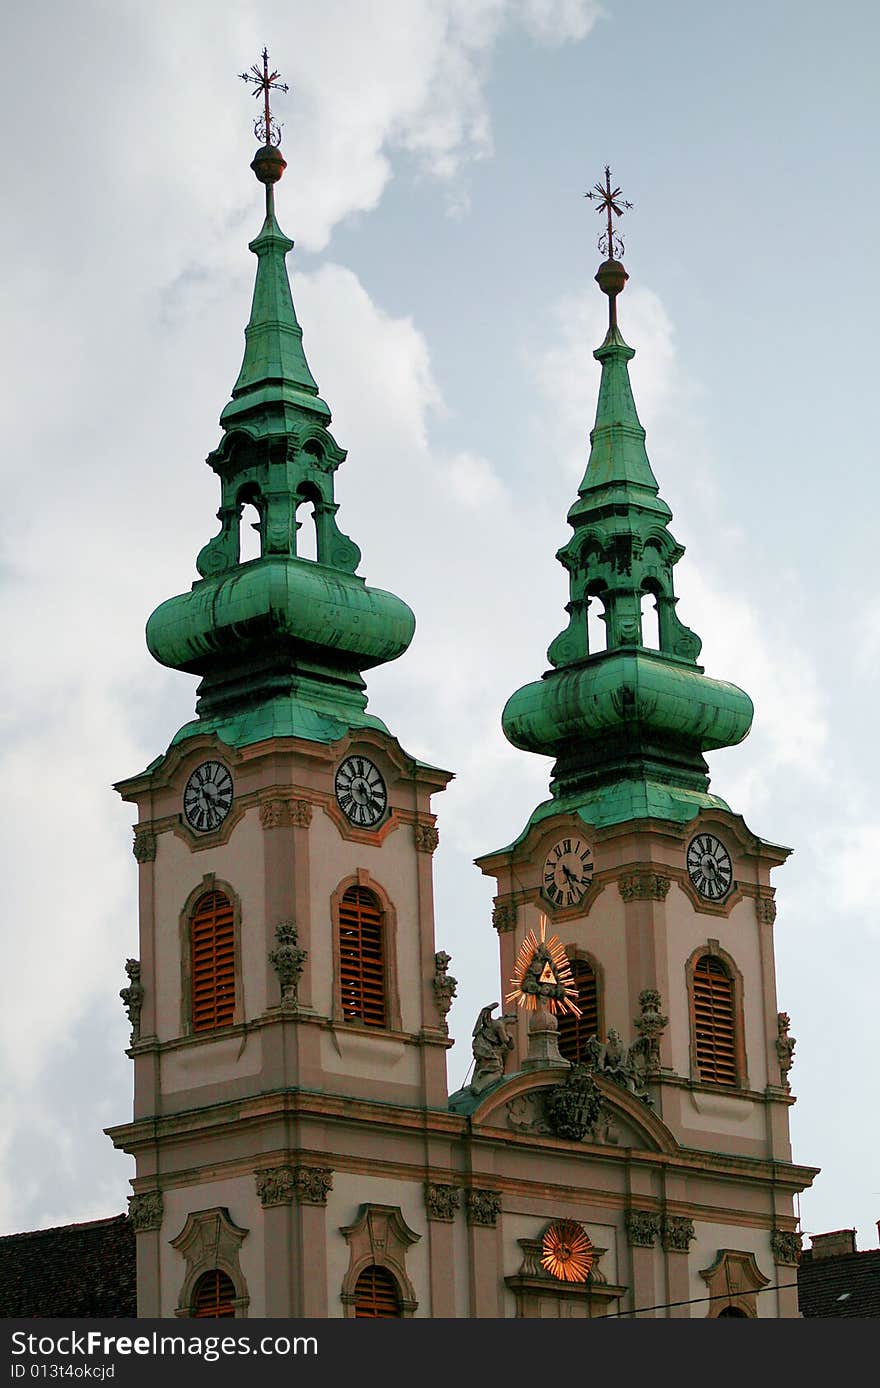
x,y
597,630
307,546
250,525
650,612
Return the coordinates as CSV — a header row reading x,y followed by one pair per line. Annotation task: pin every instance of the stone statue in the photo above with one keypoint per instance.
x,y
492,1041
133,997
288,960
444,984
615,1062
785,1045
644,1053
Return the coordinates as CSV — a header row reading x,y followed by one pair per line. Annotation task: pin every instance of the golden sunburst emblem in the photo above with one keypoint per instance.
x,y
543,977
566,1251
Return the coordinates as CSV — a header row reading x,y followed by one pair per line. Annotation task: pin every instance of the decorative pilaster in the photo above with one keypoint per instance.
x,y
643,886
677,1233
504,915
146,1211
273,813
482,1207
642,1228
275,1185
441,1202
786,1246
312,1184
144,846
427,838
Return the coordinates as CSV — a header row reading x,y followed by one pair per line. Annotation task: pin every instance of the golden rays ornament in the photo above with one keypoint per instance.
x,y
543,977
566,1251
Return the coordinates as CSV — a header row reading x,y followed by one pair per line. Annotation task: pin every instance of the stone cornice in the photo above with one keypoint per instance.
x,y
300,1017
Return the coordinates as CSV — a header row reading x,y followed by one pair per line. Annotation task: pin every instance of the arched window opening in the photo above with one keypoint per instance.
x,y
213,1295
250,542
714,1025
650,622
362,958
597,632
307,534
732,1311
376,1294
575,1032
212,958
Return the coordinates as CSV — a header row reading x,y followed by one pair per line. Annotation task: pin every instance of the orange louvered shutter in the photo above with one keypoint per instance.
x,y
362,958
574,1032
213,1295
212,936
714,1022
376,1294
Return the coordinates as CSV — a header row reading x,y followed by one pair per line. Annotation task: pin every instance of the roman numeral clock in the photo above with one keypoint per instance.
x,y
567,872
360,791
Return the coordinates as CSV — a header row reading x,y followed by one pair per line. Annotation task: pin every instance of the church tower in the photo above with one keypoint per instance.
x,y
659,893
284,842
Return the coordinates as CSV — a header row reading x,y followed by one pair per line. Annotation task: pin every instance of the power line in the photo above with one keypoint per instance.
x,y
698,1300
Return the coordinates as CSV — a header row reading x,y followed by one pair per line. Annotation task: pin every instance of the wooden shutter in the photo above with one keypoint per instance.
x,y
362,958
213,1295
212,936
714,1022
574,1032
376,1294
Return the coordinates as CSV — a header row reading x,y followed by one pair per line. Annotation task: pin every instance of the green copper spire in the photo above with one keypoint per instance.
x,y
627,724
280,641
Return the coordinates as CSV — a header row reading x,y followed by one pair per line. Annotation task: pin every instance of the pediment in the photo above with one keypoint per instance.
x,y
519,1106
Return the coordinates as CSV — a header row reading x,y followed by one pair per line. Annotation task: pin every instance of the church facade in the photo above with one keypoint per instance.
x,y
623,1146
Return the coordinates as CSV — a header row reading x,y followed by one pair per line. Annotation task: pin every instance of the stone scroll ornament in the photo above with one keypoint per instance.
x,y
542,977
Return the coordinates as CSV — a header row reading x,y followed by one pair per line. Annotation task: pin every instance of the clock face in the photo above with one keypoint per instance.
x,y
208,796
709,866
568,871
360,791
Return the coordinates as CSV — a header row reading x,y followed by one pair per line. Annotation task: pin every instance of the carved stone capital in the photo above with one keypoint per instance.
x,y
677,1233
300,812
427,838
786,1246
642,1228
504,916
273,813
441,1202
766,909
643,886
144,846
483,1207
312,1184
275,1185
145,1211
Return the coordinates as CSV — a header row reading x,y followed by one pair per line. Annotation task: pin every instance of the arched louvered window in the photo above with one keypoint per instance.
x,y
212,961
714,1021
376,1294
362,958
575,1032
213,1295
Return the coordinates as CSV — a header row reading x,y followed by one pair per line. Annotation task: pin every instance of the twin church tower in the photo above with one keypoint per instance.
x,y
623,1145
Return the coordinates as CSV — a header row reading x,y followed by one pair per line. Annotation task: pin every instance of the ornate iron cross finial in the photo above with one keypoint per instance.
x,y
608,200
266,129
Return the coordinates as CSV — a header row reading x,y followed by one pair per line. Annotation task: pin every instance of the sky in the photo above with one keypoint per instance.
x,y
438,152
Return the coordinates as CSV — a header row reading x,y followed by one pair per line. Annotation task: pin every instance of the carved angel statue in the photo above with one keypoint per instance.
x,y
492,1041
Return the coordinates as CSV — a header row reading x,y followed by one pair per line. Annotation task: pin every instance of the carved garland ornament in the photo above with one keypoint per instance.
x,y
312,1184
275,1185
677,1233
504,916
280,812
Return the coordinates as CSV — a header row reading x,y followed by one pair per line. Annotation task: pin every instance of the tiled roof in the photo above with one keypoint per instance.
x,y
77,1270
847,1284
